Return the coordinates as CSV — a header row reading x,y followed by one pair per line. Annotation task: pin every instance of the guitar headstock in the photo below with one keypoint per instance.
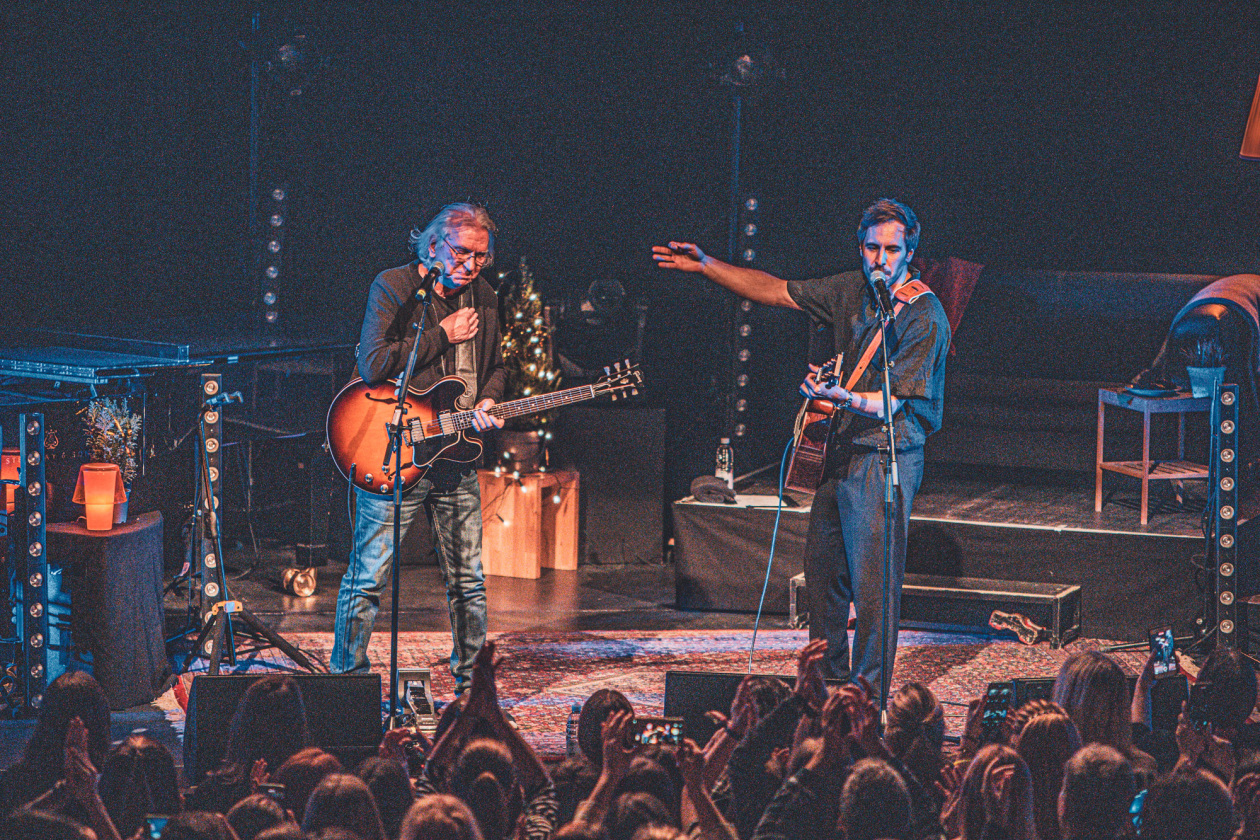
x,y
828,374
621,380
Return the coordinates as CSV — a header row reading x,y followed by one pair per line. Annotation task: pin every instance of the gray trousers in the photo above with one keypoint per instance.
x,y
844,556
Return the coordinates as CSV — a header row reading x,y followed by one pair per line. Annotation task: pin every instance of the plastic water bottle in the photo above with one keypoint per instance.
x,y
571,731
725,463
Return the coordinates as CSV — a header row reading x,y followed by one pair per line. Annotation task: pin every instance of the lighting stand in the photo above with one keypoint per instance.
x,y
29,566
218,632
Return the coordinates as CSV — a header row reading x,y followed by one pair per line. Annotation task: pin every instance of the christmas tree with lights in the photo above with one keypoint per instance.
x,y
527,350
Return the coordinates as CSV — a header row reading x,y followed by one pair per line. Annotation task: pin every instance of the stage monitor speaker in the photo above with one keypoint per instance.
x,y
620,455
1166,696
689,694
343,714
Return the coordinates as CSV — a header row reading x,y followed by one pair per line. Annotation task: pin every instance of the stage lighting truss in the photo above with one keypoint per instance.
x,y
743,328
210,495
31,564
1225,512
271,250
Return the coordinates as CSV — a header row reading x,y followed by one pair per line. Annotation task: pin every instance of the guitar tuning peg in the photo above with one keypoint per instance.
x,y
614,396
607,371
634,392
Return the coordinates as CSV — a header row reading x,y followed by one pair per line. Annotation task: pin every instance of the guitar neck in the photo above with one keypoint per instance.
x,y
460,420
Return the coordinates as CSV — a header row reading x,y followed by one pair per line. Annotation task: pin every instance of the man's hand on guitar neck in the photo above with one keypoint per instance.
x,y
482,420
866,403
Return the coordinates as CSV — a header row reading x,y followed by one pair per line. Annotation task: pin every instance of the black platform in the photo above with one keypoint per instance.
x,y
1034,527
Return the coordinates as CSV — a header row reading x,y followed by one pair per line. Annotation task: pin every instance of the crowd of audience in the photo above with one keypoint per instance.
x,y
797,762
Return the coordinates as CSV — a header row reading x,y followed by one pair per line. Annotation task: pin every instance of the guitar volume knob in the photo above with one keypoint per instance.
x,y
367,478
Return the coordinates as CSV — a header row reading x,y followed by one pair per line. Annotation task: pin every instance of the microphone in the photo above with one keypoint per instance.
x,y
880,281
225,398
430,277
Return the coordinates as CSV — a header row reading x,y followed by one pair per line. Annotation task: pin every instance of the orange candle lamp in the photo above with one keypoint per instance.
x,y
99,488
10,470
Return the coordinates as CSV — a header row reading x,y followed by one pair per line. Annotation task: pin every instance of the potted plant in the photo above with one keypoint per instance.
x,y
113,437
531,371
1206,366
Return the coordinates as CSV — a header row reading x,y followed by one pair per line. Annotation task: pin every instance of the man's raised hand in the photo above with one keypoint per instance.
x,y
682,256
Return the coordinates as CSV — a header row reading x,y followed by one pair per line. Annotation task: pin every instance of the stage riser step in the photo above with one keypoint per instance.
x,y
935,602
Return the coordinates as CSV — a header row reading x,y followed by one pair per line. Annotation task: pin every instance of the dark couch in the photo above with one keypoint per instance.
x,y
1030,354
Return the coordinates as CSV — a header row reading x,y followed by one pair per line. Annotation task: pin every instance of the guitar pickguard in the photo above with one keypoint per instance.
x,y
459,447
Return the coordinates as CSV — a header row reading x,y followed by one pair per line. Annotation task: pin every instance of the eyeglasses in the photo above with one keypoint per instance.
x,y
462,255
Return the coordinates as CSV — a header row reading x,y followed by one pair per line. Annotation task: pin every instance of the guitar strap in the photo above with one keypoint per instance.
x,y
907,292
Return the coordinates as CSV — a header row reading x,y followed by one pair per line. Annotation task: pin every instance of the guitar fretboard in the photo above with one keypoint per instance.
x,y
457,421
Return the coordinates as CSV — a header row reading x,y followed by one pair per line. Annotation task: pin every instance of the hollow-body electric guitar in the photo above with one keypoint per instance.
x,y
811,433
433,430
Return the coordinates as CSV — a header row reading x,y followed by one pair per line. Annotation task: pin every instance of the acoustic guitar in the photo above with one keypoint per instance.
x,y
811,434
358,421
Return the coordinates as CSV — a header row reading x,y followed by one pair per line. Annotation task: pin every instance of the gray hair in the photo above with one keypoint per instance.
x,y
449,218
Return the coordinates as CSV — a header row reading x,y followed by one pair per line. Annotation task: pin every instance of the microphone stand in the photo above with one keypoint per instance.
x,y
891,483
394,456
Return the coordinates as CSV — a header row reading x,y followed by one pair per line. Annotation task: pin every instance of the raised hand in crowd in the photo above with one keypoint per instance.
x,y
837,736
731,730
859,700
697,804
973,730
482,703
81,780
810,685
401,744
1199,746
618,751
949,783
258,776
1140,705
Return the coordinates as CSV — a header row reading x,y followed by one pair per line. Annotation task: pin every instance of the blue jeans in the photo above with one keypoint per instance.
x,y
452,503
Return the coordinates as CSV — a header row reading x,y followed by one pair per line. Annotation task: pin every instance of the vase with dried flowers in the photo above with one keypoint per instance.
x,y
113,437
1206,366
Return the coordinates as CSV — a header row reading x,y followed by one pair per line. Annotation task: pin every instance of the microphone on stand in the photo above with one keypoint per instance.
x,y
431,276
880,281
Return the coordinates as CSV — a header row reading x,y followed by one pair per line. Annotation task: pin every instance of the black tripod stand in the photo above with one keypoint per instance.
x,y
219,633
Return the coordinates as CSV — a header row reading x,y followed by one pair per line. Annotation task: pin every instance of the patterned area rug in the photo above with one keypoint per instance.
x,y
542,674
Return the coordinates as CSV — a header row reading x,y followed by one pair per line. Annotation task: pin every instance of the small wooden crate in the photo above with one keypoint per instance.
x,y
524,529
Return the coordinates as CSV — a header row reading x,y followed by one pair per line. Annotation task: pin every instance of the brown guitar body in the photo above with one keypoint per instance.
x,y
358,433
435,429
809,452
